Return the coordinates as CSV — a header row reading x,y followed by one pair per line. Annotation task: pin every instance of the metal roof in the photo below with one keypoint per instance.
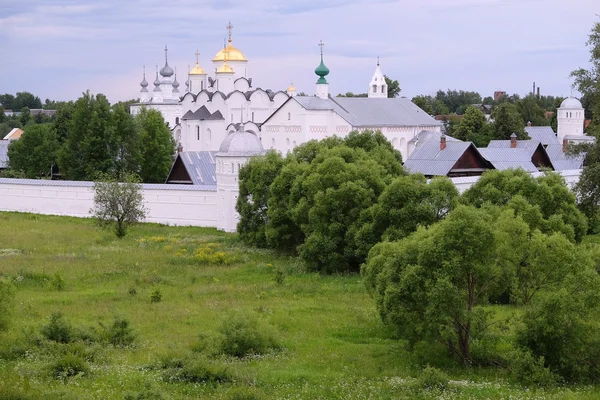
x,y
201,166
4,153
430,135
561,161
428,159
366,112
202,114
241,144
507,158
530,145
543,134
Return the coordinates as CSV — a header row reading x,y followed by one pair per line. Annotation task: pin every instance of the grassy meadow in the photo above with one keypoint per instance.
x,y
175,286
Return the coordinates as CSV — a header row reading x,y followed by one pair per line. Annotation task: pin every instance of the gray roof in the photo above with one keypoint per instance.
x,y
430,135
543,134
530,145
202,114
428,159
241,144
366,112
507,158
561,161
580,138
201,166
4,153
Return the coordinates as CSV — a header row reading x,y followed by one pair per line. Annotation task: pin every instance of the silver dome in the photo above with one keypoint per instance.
x,y
166,71
571,103
240,144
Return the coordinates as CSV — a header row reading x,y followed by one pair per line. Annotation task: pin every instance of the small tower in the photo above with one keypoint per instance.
x,y
157,93
235,151
322,71
570,118
197,77
378,88
175,84
291,90
166,73
225,77
144,95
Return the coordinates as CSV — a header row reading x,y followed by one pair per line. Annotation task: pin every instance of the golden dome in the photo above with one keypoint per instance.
x,y
197,70
292,88
225,69
233,54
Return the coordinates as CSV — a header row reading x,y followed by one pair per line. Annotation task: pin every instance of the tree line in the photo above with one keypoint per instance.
x,y
90,137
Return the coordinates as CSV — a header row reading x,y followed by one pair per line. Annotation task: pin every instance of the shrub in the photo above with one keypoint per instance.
x,y
244,335
279,276
7,294
530,371
58,329
119,334
210,254
58,282
433,379
70,365
156,296
194,371
245,393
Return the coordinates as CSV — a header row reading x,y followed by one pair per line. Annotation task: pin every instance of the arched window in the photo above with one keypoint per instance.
x,y
289,116
208,136
287,142
198,132
252,116
294,143
382,88
232,168
374,88
272,142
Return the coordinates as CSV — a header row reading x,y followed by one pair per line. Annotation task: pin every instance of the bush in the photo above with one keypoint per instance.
x,y
244,335
58,282
194,371
7,294
119,334
433,379
209,254
58,329
156,296
530,371
70,365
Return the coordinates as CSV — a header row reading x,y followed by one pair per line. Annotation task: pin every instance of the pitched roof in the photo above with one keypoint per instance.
x,y
366,112
507,158
200,166
428,159
530,145
543,134
4,153
202,114
430,135
15,133
561,161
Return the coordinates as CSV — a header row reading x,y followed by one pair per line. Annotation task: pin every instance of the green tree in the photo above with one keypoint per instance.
x,y
548,203
432,285
35,152
62,121
7,294
89,148
531,111
2,115
507,121
118,204
26,99
128,142
7,100
424,103
393,87
471,125
25,115
457,101
588,81
158,147
255,181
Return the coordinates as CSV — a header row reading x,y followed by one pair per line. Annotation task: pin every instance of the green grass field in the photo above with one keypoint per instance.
x,y
332,342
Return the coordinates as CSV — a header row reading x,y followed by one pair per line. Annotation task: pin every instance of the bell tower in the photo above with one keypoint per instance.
x,y
378,88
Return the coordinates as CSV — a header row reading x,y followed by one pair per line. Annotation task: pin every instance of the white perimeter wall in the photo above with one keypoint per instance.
x,y
166,204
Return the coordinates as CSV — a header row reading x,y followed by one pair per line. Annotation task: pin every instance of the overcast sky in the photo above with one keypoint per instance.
x,y
59,48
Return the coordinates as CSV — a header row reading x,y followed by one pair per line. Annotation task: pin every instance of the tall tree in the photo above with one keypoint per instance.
x,y
158,147
35,153
393,87
26,99
471,125
507,121
127,141
423,103
531,111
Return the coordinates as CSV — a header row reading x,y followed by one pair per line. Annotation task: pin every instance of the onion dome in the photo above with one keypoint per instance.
x,y
197,70
144,82
291,88
322,71
230,53
157,82
175,84
166,71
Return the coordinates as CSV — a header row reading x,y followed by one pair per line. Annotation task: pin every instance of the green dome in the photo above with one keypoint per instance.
x,y
322,71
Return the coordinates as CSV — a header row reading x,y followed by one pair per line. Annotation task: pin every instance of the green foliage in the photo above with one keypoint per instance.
x,y
119,333
58,282
562,327
531,110
157,147
423,103
244,335
70,365
58,329
118,204
211,254
35,152
255,179
473,127
507,121
588,195
194,371
587,81
393,87
548,204
7,294
530,371
156,296
432,378
128,142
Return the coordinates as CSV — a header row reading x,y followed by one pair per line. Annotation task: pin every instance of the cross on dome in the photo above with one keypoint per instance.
x,y
321,44
229,28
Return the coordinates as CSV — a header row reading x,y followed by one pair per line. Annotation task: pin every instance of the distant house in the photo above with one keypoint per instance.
x,y
484,108
15,133
529,155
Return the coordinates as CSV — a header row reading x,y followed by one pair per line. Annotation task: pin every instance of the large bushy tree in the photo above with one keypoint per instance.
x,y
35,153
507,121
157,147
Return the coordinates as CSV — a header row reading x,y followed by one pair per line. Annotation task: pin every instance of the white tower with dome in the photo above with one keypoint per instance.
x,y
378,88
235,151
571,117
